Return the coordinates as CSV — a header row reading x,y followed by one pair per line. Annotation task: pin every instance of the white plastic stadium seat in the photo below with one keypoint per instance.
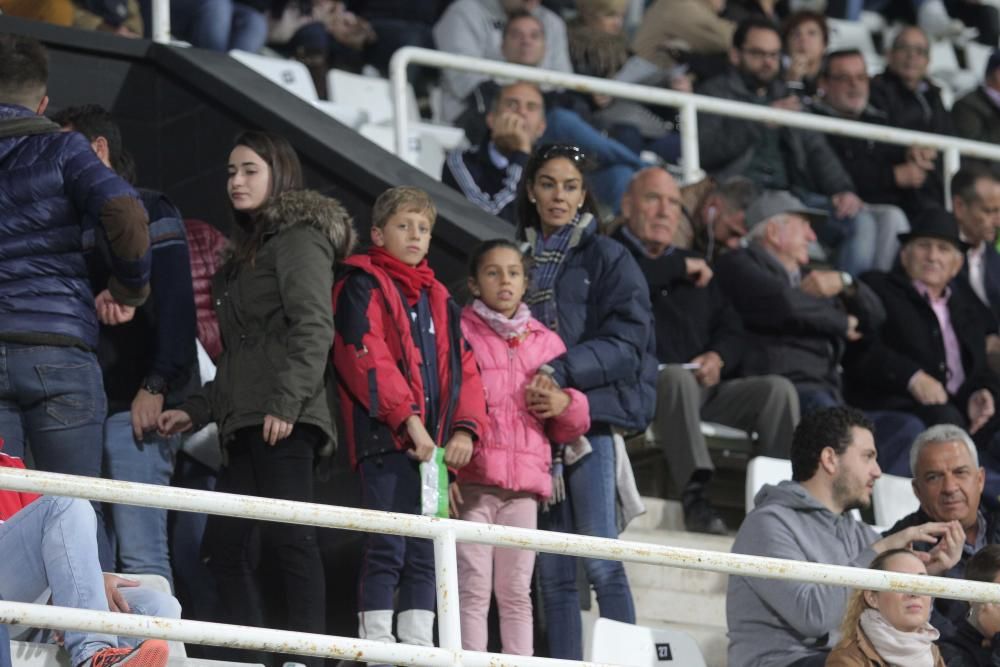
x,y
854,35
764,470
373,94
893,499
619,643
291,75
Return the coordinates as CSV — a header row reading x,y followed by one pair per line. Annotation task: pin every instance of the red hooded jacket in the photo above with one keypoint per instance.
x,y
378,364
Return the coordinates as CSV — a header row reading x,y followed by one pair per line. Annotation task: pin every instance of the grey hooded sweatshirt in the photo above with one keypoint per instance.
x,y
773,623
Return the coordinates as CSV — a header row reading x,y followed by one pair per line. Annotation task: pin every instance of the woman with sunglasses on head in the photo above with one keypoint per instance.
x,y
589,290
888,629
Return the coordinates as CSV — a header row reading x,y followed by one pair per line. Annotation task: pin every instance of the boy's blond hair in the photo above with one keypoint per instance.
x,y
402,198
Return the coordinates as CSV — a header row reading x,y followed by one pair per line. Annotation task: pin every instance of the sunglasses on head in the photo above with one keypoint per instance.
x,y
562,150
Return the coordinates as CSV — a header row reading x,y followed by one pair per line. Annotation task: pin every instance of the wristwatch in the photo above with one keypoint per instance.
x,y
154,384
846,279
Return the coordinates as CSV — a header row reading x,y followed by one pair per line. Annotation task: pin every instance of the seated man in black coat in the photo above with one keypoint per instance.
x,y
928,356
699,341
948,481
976,640
798,320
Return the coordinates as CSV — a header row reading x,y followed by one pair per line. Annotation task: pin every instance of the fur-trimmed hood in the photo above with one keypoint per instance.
x,y
310,208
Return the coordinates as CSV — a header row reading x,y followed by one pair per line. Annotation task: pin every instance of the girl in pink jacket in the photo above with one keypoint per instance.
x,y
510,468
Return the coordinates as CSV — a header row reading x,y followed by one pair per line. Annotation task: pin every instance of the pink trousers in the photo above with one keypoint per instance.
x,y
483,569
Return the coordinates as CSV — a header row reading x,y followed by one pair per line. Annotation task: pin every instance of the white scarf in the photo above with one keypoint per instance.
x,y
898,648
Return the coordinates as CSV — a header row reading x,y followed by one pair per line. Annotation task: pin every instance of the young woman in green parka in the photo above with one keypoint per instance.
x,y
270,396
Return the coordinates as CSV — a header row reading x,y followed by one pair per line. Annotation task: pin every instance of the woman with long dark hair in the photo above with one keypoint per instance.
x,y
270,395
589,290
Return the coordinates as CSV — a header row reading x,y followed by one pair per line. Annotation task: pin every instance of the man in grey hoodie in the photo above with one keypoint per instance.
x,y
776,623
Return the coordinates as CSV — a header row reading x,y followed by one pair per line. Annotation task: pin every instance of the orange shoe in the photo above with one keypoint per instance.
x,y
150,653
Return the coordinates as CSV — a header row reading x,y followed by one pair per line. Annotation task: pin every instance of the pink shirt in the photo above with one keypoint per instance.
x,y
952,351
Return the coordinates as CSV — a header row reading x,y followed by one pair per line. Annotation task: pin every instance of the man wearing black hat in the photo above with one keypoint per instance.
x,y
977,115
928,357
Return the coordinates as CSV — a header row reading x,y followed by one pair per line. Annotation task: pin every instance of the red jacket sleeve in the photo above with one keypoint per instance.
x,y
12,502
364,363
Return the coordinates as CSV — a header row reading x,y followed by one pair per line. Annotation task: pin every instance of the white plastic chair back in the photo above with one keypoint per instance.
x,y
893,499
291,75
619,643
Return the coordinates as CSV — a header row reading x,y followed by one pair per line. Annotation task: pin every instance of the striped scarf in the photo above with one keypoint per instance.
x,y
548,255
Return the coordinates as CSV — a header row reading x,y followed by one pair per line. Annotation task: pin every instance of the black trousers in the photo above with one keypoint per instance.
x,y
232,547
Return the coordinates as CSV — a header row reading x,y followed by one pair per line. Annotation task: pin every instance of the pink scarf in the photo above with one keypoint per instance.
x,y
510,329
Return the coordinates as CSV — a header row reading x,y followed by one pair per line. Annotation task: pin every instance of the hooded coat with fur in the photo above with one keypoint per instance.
x,y
276,322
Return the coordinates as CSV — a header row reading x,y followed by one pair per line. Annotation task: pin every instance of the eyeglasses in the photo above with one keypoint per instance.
x,y
567,151
912,49
762,55
848,78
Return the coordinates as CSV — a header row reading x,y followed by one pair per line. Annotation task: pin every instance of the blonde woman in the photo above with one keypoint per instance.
x,y
888,629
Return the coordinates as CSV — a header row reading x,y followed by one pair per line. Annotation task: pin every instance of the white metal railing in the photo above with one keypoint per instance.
x,y
689,104
445,533
161,21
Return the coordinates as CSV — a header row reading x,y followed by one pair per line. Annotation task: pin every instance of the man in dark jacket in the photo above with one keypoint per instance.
x,y
928,356
975,197
976,640
977,115
148,364
884,173
699,340
949,481
51,183
781,158
909,99
488,174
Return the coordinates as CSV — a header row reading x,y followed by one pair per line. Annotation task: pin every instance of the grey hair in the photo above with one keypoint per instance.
x,y
938,434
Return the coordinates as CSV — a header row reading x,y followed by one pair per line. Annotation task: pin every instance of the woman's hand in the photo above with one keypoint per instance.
x,y
173,421
276,429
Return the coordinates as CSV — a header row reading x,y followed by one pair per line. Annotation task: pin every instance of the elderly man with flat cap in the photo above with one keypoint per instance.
x,y
928,356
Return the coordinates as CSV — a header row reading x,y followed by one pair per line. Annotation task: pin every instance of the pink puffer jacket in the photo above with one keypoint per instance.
x,y
515,452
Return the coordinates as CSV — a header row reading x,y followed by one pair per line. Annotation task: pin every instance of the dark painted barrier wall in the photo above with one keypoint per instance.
x,y
181,108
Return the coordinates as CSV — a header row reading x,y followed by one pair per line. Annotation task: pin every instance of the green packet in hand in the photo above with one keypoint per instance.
x,y
434,486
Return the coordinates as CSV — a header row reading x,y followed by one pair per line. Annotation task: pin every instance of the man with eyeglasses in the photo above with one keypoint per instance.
x,y
911,102
781,158
887,175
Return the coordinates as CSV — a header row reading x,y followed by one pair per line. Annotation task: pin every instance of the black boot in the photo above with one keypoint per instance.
x,y
699,515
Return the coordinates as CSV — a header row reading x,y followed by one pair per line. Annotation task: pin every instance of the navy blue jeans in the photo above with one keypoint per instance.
x,y
52,397
589,509
391,483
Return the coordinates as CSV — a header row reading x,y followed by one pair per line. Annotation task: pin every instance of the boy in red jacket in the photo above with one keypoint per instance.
x,y
407,382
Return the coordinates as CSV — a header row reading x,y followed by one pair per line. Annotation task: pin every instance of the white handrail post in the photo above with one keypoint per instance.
x,y
161,21
690,157
952,163
397,76
446,564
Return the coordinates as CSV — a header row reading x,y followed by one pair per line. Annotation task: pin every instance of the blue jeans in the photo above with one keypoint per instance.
x,y
589,509
140,532
219,25
4,646
52,397
615,162
52,543
855,238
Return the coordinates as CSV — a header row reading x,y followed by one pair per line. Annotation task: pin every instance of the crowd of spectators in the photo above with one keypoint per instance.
x,y
807,273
